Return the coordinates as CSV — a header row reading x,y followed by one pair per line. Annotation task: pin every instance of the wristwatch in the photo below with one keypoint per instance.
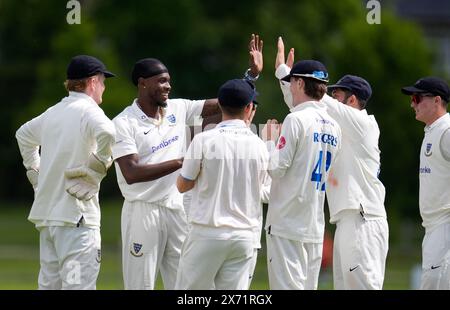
x,y
250,78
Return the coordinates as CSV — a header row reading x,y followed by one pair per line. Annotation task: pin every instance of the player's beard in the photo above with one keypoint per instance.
x,y
161,104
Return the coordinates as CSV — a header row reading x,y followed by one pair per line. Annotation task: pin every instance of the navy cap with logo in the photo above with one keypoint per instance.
x,y
356,85
308,68
430,84
237,93
84,66
146,68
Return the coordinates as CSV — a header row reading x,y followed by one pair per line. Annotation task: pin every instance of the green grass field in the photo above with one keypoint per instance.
x,y
19,254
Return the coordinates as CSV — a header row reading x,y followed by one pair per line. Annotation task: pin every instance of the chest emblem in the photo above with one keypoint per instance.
x,y
171,118
428,151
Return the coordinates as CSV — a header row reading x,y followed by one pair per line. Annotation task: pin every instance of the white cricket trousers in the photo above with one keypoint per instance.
x,y
215,264
152,236
70,258
293,265
359,252
436,259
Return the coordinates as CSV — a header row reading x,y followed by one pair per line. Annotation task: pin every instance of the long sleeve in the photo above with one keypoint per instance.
x,y
280,73
102,129
265,190
444,144
353,121
29,141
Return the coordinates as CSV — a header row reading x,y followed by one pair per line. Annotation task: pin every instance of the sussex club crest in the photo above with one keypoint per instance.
x,y
428,151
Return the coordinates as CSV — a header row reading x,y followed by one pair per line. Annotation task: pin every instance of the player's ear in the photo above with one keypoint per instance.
x,y
141,82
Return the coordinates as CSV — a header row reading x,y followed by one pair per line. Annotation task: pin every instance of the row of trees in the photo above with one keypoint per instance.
x,y
204,43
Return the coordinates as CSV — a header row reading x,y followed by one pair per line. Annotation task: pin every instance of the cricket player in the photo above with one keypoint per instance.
x,y
226,168
74,138
355,194
150,145
309,142
429,99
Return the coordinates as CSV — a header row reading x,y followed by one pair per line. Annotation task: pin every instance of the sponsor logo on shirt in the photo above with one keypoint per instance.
x,y
164,144
324,121
428,151
325,138
281,143
351,269
424,170
171,118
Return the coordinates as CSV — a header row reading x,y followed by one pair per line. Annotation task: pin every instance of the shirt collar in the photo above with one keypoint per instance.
x,y
307,104
232,123
137,111
142,116
436,122
79,95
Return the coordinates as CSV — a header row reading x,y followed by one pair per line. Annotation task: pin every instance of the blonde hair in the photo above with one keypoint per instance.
x,y
76,85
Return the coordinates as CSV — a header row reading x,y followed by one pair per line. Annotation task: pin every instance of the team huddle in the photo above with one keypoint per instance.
x,y
193,211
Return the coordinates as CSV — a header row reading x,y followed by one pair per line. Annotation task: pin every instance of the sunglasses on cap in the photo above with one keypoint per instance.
x,y
417,98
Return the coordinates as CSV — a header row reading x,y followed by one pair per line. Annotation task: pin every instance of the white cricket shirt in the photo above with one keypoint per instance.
x,y
67,133
434,175
138,134
354,182
299,167
229,163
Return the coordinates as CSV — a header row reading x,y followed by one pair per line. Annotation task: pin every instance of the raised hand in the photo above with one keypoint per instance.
x,y
255,48
279,60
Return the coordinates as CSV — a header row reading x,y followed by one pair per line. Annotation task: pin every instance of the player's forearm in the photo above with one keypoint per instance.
x,y
135,173
211,107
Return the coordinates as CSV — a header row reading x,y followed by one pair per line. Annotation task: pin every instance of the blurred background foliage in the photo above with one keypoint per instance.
x,y
204,43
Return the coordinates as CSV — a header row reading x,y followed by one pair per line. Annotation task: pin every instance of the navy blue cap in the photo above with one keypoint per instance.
x,y
237,93
308,68
146,68
84,66
356,85
430,84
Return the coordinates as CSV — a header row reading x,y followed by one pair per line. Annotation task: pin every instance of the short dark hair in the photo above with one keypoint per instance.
x,y
232,110
362,103
348,94
314,88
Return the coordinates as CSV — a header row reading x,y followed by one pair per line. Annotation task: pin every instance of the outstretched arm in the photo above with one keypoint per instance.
x,y
282,69
280,55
